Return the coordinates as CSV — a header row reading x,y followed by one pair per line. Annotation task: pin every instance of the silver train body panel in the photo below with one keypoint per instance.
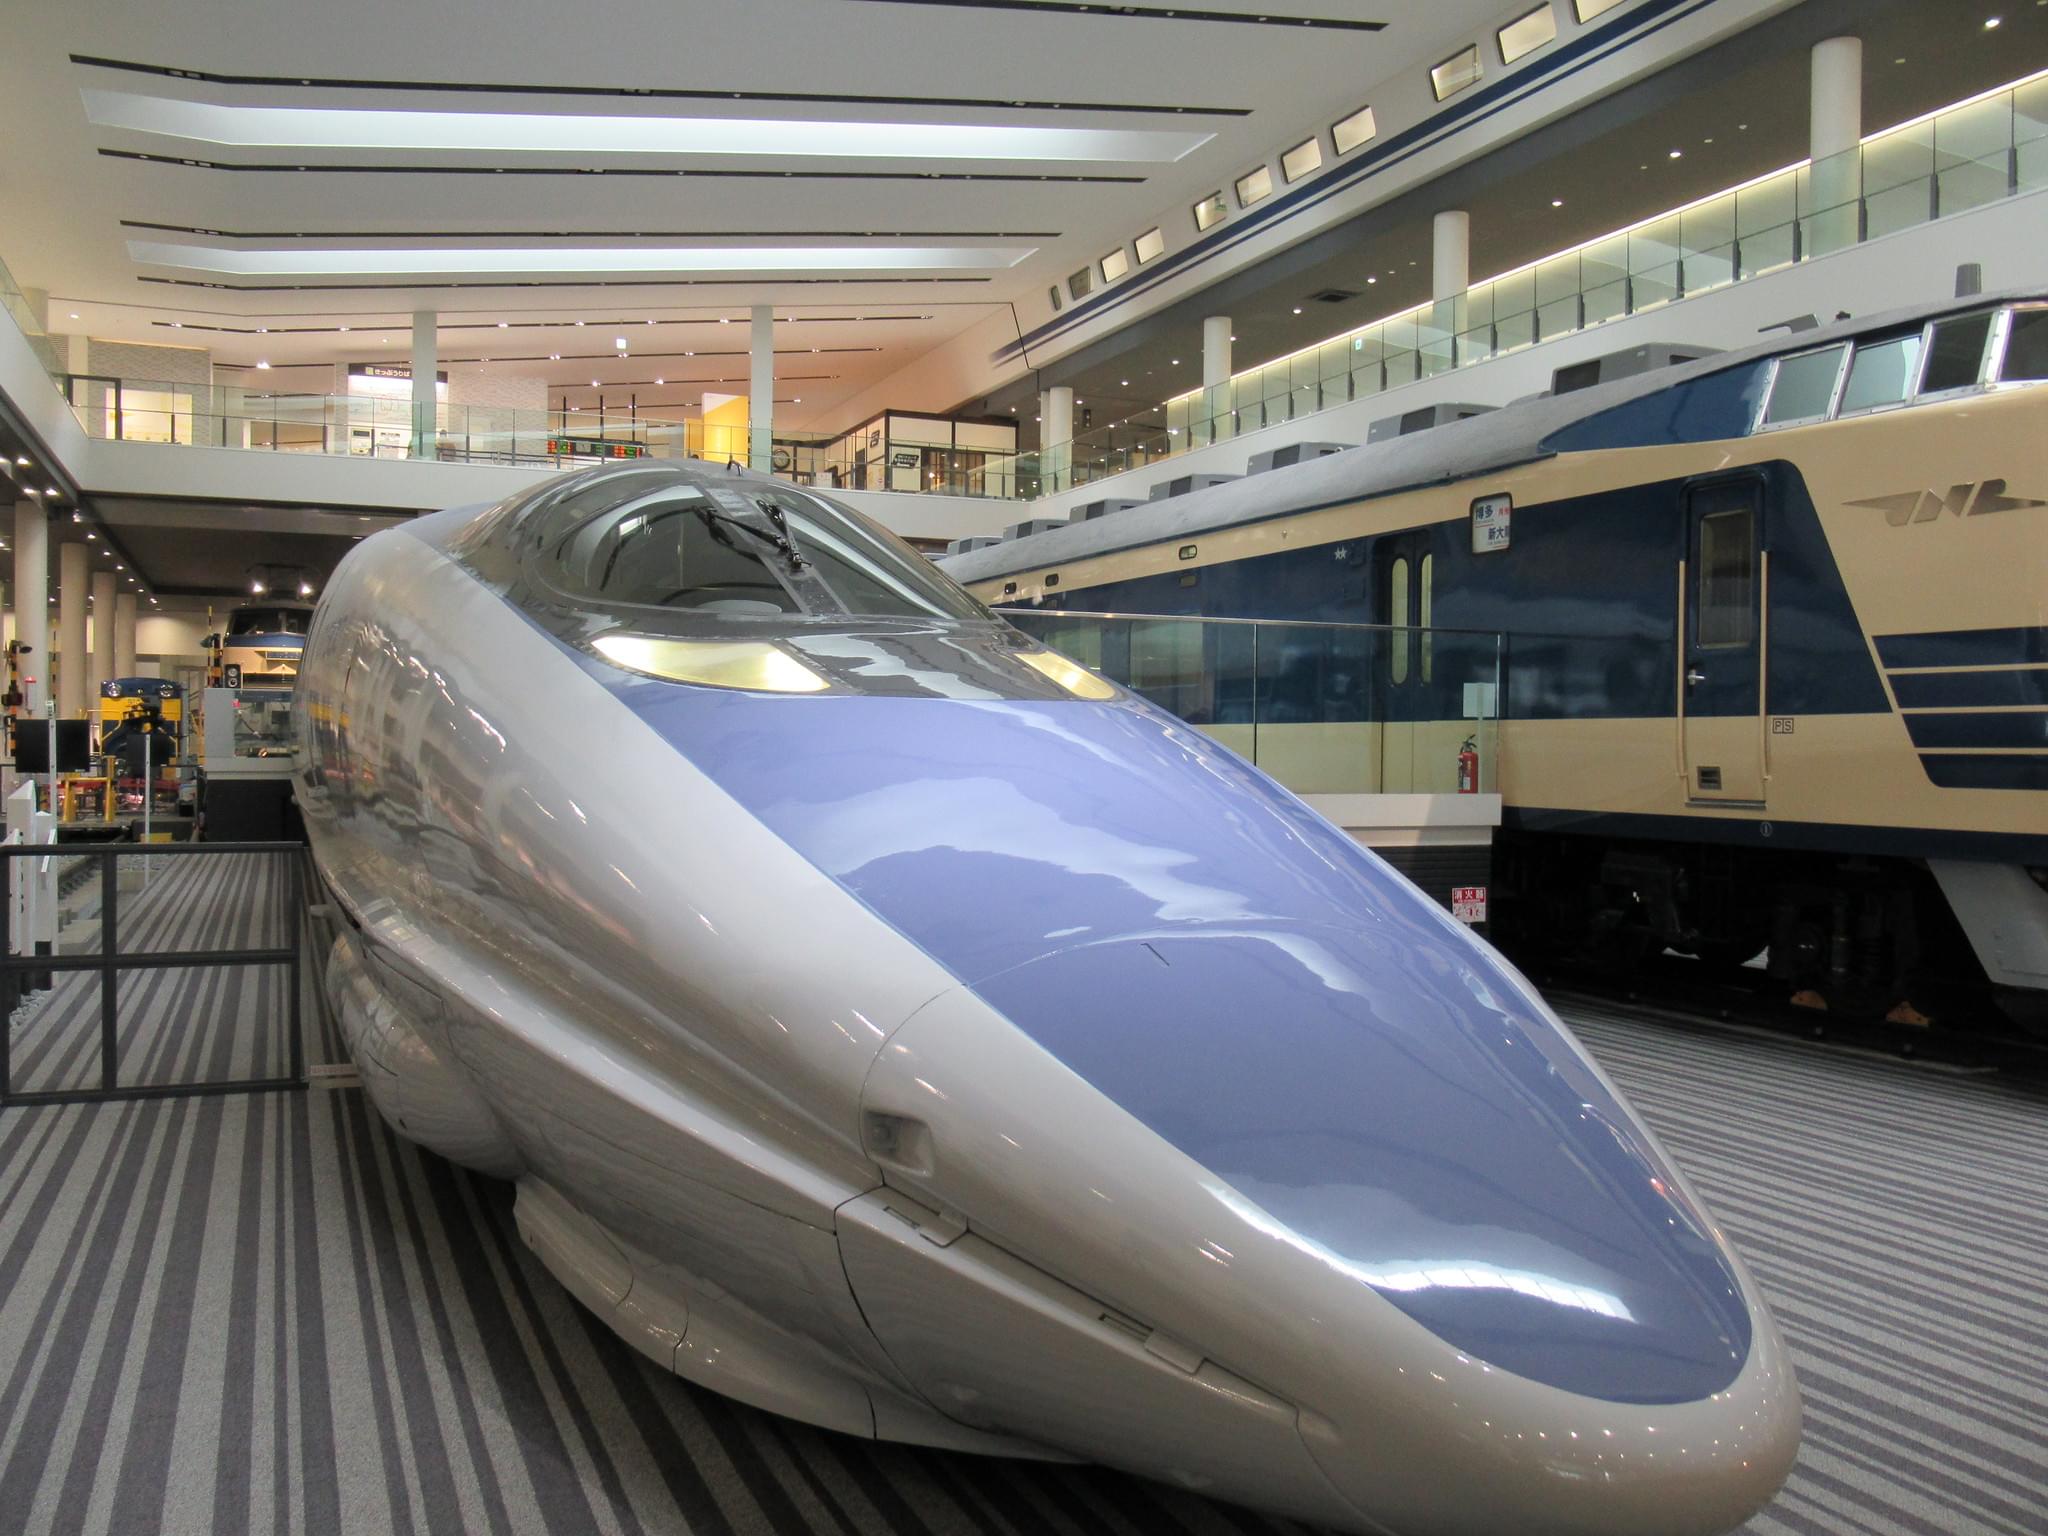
x,y
786,1151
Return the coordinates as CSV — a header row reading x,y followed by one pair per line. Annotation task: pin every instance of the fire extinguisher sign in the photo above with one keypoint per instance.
x,y
1468,903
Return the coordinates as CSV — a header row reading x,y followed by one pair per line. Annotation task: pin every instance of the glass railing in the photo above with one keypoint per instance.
x,y
364,426
1324,708
1977,152
370,426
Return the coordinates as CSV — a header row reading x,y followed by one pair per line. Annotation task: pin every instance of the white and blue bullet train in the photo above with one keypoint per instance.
x,y
890,1024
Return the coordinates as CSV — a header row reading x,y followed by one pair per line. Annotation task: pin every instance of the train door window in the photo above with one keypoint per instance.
x,y
1427,573
1727,574
1881,373
1397,615
2026,347
1955,353
1803,387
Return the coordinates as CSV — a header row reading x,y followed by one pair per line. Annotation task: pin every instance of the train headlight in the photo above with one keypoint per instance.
x,y
1076,679
749,664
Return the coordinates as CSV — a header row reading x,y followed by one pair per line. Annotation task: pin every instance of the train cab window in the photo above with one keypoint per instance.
x,y
1881,373
1803,388
677,540
1727,575
2026,347
1397,615
1955,354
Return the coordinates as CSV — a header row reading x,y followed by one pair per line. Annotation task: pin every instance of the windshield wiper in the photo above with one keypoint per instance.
x,y
778,536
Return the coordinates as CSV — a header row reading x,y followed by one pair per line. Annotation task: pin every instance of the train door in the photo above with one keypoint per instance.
x,y
1410,759
1722,683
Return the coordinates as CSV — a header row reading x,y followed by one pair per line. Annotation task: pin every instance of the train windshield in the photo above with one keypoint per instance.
x,y
674,540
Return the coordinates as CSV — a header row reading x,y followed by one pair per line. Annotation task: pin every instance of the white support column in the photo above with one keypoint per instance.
x,y
103,588
32,602
1056,438
124,634
1834,128
426,418
761,391
1215,351
74,665
1450,255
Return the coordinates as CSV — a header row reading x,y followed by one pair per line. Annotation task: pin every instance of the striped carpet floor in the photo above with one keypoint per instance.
x,y
230,1020
267,1313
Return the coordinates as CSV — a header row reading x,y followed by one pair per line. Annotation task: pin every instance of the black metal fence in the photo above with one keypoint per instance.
x,y
269,908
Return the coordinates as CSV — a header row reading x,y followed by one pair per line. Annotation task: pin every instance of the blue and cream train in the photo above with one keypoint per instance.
x,y
1777,644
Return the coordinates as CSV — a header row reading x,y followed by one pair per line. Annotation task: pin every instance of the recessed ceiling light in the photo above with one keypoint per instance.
x,y
554,357
619,342
177,325
661,381
21,461
1176,363
344,330
593,383
1372,280
74,313
503,324
1989,23
1678,154
1557,202
1126,383
263,365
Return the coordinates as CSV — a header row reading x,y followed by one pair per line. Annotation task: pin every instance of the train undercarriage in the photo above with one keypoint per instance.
x,y
1862,938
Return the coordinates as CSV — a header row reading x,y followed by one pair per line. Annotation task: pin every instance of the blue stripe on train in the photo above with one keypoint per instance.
x,y
1986,770
1972,690
2027,645
1990,728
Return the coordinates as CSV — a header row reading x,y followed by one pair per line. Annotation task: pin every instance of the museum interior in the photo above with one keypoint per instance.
x,y
642,647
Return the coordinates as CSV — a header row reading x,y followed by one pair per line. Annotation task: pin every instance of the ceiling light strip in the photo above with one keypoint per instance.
x,y
374,262
702,172
541,282
1108,11
547,133
651,93
599,234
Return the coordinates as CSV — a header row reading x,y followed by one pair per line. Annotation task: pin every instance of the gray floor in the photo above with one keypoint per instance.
x,y
266,1313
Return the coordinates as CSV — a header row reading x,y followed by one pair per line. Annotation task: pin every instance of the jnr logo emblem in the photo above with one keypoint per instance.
x,y
1966,500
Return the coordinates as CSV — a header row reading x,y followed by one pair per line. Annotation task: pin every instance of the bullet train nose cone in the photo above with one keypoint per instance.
x,y
1383,1099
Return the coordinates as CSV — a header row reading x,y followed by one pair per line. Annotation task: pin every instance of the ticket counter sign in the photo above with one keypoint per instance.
x,y
1490,516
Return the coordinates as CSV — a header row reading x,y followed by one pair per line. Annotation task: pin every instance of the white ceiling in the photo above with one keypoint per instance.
x,y
91,227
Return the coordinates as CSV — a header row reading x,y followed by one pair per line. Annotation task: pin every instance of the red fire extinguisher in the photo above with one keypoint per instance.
x,y
1468,767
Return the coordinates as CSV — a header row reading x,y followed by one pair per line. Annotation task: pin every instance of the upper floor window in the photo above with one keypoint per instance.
x,y
1359,128
1588,9
1151,246
1526,33
1457,72
1254,186
1301,159
1210,211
